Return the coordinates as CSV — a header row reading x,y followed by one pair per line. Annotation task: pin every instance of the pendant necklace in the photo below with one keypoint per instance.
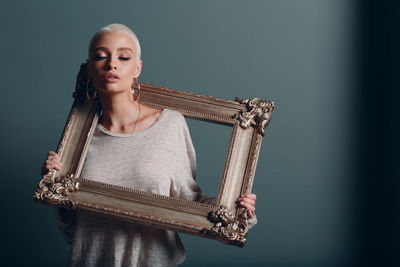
x,y
134,126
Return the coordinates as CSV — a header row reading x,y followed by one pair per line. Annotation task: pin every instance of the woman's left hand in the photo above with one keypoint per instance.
x,y
248,201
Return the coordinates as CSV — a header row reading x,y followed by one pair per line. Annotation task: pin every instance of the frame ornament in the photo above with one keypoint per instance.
x,y
225,221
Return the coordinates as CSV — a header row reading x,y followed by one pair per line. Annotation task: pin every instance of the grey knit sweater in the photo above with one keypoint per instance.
x,y
161,160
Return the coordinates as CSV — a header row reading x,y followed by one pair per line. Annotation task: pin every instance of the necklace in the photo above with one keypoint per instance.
x,y
138,116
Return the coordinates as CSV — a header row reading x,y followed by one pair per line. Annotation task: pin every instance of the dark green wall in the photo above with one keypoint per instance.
x,y
301,54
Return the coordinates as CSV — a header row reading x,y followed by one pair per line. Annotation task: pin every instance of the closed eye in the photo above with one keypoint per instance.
x,y
124,58
97,58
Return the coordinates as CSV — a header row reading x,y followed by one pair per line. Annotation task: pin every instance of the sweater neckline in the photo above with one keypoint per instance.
x,y
107,132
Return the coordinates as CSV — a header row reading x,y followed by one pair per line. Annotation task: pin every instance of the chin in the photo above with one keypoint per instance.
x,y
113,88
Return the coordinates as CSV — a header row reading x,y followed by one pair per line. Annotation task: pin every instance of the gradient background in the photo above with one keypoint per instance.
x,y
327,176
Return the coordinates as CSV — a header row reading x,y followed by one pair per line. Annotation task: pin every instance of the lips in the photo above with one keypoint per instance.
x,y
111,77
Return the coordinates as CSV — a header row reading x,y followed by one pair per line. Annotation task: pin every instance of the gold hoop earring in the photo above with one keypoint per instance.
x,y
136,80
91,93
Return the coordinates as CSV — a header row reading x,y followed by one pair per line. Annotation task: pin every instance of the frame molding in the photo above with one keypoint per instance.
x,y
223,221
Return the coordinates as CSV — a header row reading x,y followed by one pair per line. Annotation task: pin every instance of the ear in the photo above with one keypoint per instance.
x,y
138,69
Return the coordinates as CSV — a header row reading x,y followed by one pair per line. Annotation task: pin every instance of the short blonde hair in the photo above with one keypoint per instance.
x,y
115,27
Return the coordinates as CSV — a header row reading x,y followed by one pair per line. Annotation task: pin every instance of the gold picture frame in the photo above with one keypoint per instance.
x,y
225,221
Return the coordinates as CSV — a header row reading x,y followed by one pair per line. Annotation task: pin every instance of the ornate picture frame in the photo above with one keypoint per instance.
x,y
225,221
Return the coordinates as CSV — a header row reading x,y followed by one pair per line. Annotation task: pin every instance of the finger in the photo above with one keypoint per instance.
x,y
53,154
248,197
252,196
247,205
53,165
250,209
250,213
58,166
48,167
57,163
245,198
54,161
249,201
50,164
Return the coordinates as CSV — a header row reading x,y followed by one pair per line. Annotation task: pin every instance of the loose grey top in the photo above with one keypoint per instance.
x,y
161,160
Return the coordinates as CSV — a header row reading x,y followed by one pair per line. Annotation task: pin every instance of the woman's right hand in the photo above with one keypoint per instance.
x,y
52,162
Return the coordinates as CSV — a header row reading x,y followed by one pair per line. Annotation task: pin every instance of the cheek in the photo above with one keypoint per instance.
x,y
97,67
128,73
130,68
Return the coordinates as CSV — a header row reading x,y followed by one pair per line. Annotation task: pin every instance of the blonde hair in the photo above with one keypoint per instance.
x,y
115,27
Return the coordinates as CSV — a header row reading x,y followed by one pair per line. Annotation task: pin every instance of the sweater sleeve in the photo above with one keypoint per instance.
x,y
253,221
183,184
66,222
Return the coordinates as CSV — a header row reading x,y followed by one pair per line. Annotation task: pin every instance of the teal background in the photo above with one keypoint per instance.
x,y
327,175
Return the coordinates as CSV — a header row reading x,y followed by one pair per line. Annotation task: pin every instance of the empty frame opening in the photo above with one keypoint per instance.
x,y
211,143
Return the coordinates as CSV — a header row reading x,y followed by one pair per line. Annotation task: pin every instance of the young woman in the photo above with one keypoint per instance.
x,y
133,146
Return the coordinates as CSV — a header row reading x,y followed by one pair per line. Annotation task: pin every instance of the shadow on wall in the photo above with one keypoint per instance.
x,y
377,134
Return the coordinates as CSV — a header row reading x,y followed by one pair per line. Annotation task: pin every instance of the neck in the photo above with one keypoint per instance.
x,y
120,111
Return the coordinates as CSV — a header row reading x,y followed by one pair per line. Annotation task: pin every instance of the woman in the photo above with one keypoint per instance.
x,y
133,146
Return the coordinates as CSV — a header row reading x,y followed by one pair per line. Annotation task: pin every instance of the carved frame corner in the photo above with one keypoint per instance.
x,y
258,113
56,190
228,228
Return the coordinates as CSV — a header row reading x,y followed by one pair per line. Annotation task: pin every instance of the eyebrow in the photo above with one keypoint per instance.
x,y
119,49
125,48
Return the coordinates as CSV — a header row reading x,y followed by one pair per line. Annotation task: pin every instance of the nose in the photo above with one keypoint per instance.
x,y
112,64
